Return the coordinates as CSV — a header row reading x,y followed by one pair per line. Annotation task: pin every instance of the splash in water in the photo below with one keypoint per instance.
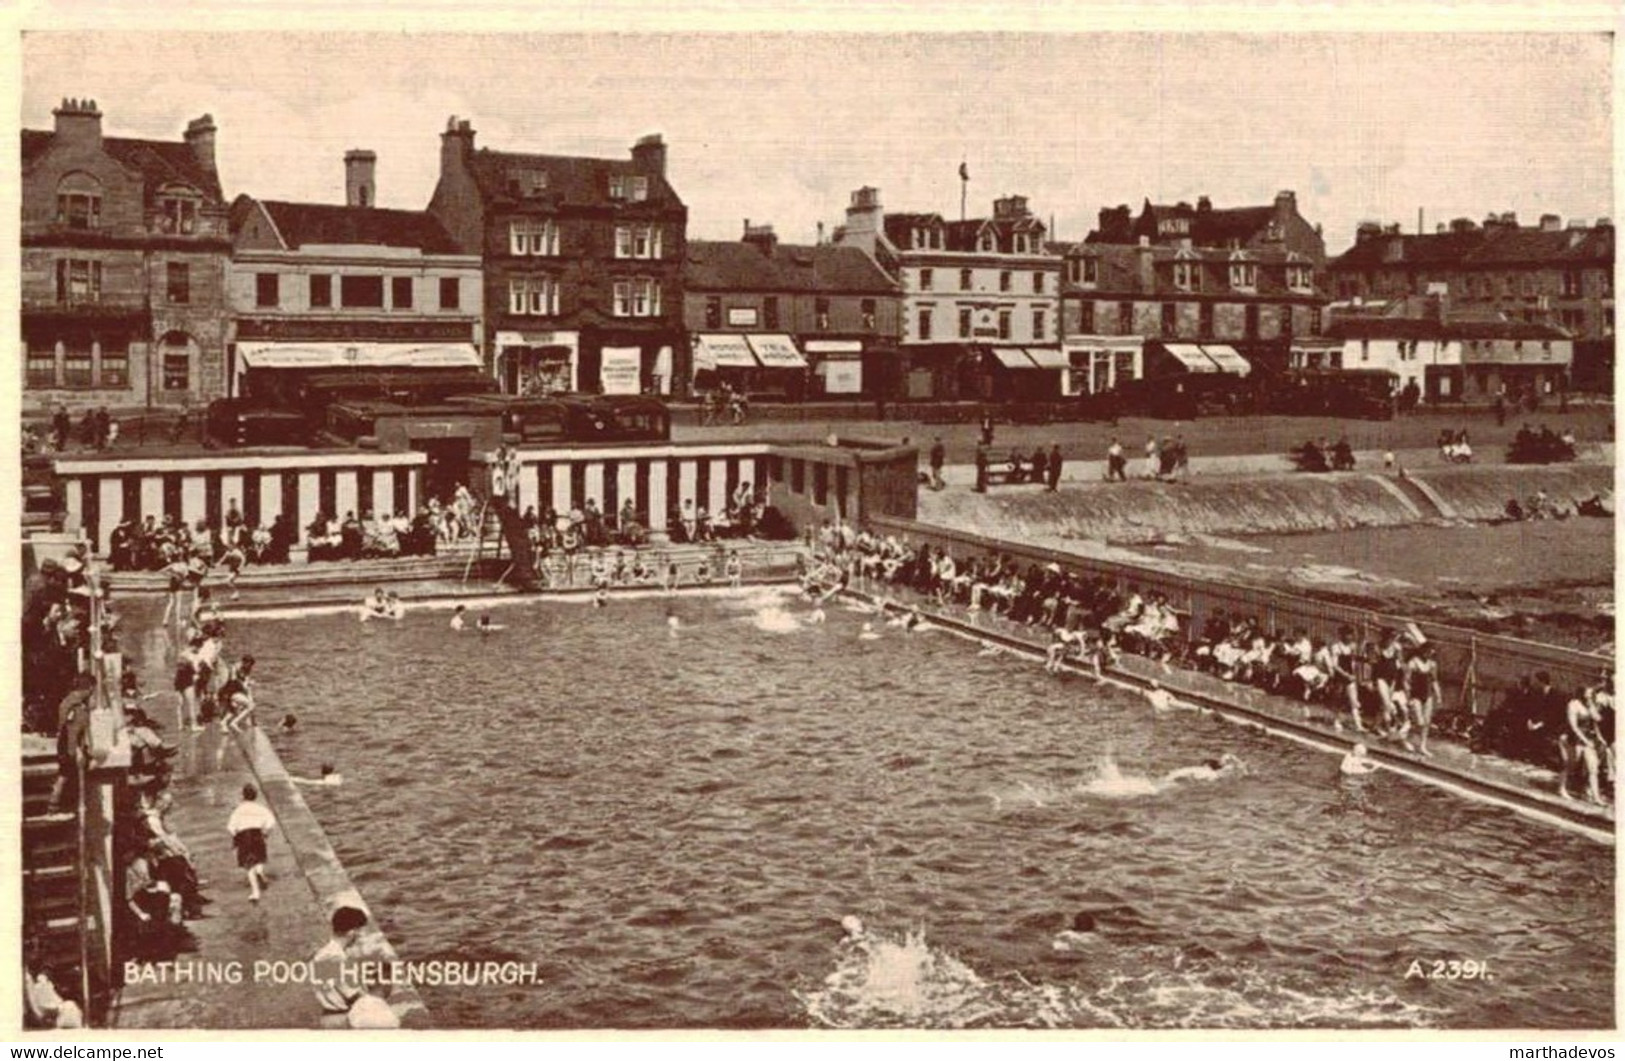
x,y
885,982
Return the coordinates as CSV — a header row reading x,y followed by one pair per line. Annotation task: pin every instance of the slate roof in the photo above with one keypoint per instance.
x,y
158,161
740,266
1483,248
302,223
572,180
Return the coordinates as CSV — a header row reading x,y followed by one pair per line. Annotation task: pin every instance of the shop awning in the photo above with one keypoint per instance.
x,y
1048,357
1012,357
722,351
1227,359
777,351
1190,355
359,355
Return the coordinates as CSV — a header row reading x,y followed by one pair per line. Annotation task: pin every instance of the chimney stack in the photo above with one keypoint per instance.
x,y
1551,222
1203,204
456,144
360,186
200,138
649,154
1365,231
863,220
79,123
761,237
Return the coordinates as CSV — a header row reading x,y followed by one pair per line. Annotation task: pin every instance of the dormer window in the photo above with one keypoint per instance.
x,y
617,186
177,214
638,189
1186,275
79,201
527,183
1174,226
1298,277
987,244
1273,231
1243,273
1086,271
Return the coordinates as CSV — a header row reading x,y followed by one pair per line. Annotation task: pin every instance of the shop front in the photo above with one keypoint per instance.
x,y
837,366
1021,374
283,373
1100,363
762,365
536,364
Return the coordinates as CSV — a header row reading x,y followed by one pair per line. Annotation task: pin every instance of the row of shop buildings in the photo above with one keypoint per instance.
x,y
144,285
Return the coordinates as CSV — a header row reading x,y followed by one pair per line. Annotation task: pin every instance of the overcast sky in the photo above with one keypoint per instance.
x,y
780,128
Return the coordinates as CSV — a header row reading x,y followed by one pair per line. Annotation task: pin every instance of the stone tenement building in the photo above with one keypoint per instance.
x,y
1247,280
1540,274
583,261
124,252
787,319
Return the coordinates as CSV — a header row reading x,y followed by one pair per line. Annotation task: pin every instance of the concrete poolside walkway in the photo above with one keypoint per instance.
x,y
286,925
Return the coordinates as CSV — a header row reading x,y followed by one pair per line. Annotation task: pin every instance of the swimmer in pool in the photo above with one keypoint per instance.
x,y
486,626
1357,762
457,621
600,598
852,925
394,609
1210,770
816,616
868,633
672,624
289,723
1082,934
330,778
1161,699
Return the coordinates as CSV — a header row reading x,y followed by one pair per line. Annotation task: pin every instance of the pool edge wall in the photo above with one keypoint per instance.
x,y
324,873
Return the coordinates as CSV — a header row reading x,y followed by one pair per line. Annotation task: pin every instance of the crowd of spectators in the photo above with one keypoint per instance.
x,y
1454,446
71,641
1386,686
1544,446
1323,456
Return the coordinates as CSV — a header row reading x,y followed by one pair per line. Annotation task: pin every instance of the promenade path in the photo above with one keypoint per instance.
x,y
286,925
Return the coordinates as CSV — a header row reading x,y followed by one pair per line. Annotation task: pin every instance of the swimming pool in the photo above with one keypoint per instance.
x,y
672,824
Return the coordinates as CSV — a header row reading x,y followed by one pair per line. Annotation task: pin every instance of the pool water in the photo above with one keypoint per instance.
x,y
670,804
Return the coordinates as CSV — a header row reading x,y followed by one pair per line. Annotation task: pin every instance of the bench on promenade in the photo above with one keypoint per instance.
x,y
1009,477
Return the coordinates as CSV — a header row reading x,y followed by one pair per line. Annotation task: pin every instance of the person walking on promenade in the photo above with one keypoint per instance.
x,y
248,826
987,429
60,426
981,469
1153,457
1053,469
939,456
1116,462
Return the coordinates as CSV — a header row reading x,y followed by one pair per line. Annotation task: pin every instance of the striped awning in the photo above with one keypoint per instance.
x,y
722,351
1227,359
1012,357
777,351
1048,357
1190,355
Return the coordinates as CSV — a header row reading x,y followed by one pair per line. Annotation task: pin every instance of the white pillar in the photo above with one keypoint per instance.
x,y
687,481
717,503
231,489
111,509
595,483
194,499
656,503
561,487
270,497
414,477
626,484
310,499
152,497
747,470
527,488
344,491
76,505
383,491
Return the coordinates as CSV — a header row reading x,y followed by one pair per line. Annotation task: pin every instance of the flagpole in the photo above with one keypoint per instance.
x,y
964,182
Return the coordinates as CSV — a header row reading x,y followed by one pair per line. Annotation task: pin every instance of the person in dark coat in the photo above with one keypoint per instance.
x,y
987,429
1040,464
1053,469
981,469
